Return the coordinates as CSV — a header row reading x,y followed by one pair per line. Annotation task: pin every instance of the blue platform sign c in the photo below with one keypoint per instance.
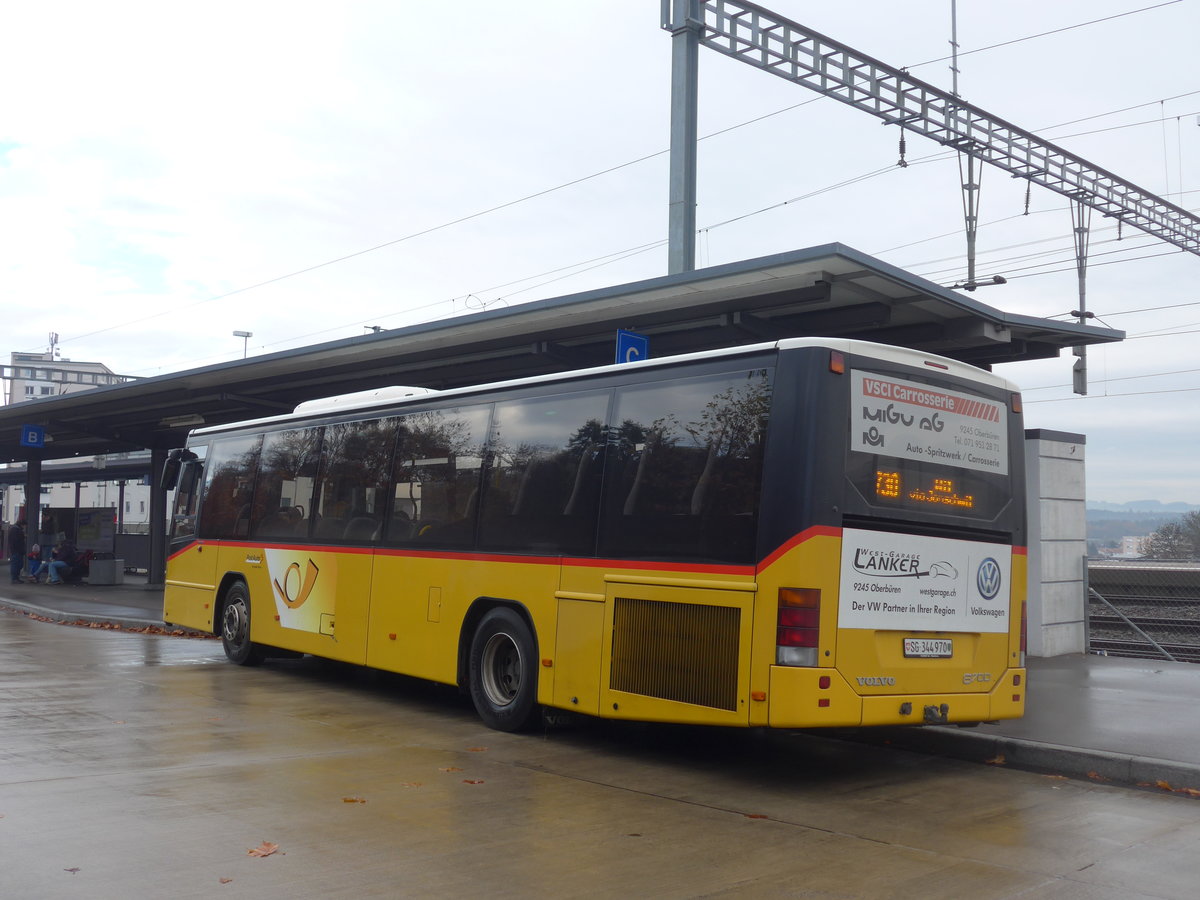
x,y
33,436
632,346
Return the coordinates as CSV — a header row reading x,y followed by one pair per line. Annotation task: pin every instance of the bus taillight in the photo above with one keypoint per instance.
x,y
798,632
1024,632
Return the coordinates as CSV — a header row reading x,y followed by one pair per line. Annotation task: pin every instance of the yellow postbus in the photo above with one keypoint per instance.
x,y
804,533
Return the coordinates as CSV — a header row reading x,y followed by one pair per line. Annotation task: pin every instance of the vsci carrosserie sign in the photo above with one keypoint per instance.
x,y
907,582
910,420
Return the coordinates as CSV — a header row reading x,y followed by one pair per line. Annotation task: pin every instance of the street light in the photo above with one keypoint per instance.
x,y
245,336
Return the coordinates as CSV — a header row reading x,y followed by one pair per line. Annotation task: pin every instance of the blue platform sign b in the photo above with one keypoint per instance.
x,y
33,436
632,346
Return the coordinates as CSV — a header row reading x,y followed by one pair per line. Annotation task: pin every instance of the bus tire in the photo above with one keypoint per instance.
x,y
235,627
503,671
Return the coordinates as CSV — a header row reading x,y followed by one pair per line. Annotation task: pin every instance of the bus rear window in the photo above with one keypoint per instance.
x,y
926,447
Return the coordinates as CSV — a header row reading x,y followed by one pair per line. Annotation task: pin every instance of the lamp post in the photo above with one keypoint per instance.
x,y
245,336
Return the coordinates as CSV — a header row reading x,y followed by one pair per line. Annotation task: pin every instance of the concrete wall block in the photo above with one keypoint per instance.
x,y
1061,450
1063,520
1058,640
1062,602
1062,560
1062,478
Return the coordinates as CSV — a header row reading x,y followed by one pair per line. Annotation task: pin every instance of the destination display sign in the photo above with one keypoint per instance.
x,y
911,420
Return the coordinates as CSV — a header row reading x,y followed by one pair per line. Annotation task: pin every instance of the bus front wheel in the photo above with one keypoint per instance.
x,y
503,671
235,627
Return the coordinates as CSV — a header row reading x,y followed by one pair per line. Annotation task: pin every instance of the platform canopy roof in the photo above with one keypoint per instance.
x,y
829,291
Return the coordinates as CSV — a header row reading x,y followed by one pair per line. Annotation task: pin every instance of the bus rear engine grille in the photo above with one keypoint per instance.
x,y
686,652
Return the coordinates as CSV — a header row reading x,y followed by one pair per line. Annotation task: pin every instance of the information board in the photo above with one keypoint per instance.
x,y
911,420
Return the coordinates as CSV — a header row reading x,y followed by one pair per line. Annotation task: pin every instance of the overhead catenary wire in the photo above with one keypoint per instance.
x,y
616,255
1042,34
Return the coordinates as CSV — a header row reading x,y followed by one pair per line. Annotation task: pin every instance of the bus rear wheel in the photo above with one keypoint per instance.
x,y
503,671
235,627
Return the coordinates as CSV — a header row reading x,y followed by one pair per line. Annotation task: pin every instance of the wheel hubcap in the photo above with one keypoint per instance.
x,y
501,669
233,624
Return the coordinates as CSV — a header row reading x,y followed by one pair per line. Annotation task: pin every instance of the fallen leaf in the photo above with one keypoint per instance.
x,y
756,816
225,880
449,769
997,760
472,781
266,848
477,749
1056,777
1164,785
408,784
1191,792
353,800
1096,776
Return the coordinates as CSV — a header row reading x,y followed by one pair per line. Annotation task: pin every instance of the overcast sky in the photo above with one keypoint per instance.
x,y
164,168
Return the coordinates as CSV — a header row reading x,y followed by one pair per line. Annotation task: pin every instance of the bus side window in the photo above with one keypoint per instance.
x,y
229,488
283,495
686,469
436,477
352,489
543,489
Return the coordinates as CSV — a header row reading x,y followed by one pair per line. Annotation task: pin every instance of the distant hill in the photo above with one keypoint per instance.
x,y
1142,506
1107,523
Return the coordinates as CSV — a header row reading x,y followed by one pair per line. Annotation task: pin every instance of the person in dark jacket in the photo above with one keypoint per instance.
x,y
16,551
60,562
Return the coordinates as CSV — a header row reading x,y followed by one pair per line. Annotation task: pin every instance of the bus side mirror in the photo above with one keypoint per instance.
x,y
173,465
170,473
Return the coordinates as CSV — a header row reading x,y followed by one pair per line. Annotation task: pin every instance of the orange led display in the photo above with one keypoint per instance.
x,y
887,484
942,492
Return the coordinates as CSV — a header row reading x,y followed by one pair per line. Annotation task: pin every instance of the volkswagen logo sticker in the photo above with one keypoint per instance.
x,y
988,578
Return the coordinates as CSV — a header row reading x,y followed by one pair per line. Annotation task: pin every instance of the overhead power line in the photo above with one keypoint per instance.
x,y
573,182
1041,34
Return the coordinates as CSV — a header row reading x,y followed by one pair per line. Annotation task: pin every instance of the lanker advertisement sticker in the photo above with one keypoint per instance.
x,y
912,582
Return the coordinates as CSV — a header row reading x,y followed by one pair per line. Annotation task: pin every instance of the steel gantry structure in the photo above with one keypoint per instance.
x,y
767,41
755,35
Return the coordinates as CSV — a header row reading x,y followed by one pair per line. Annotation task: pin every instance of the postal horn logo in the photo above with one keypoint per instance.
x,y
293,582
989,579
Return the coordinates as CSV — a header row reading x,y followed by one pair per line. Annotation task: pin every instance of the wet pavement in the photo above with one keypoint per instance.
x,y
143,765
1133,722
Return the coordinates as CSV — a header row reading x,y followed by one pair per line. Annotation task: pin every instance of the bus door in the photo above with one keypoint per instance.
x,y
189,591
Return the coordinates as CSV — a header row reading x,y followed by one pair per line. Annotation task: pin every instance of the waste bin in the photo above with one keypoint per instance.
x,y
106,571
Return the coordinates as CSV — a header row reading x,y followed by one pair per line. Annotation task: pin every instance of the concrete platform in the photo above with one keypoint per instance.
x,y
1124,721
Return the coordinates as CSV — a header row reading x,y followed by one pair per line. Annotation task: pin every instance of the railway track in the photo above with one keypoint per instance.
x,y
1112,635
1161,600
1142,650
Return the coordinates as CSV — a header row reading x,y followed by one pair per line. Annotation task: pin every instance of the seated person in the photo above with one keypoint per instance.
x,y
37,565
61,560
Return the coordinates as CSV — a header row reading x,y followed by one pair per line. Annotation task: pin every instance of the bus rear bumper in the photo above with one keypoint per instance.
x,y
798,700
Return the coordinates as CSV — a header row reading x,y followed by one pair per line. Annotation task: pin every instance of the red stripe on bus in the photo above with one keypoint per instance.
x,y
585,562
803,537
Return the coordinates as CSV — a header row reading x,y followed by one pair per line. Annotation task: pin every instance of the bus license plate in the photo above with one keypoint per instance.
x,y
928,648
